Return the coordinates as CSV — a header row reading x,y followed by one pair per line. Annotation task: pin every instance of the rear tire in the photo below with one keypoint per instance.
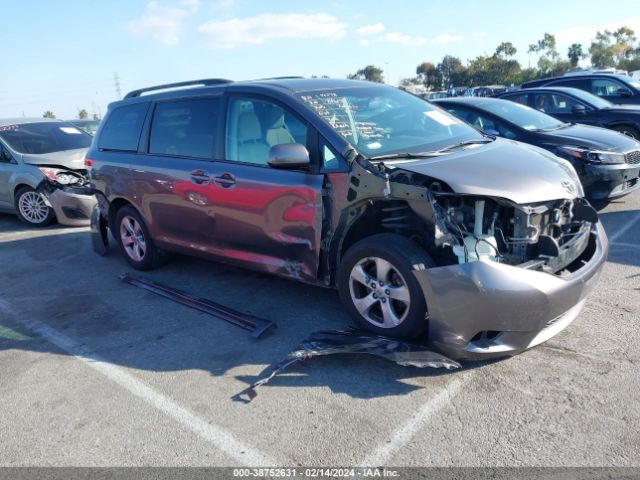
x,y
135,241
628,130
377,285
31,207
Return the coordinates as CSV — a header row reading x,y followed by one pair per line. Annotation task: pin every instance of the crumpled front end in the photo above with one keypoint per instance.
x,y
69,194
484,309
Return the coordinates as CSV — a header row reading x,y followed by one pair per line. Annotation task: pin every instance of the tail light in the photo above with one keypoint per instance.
x,y
88,163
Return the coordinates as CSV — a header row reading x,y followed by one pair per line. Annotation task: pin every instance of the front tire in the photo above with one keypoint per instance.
x,y
377,285
628,131
31,207
135,241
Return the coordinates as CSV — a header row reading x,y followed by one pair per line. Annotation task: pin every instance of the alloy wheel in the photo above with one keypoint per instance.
x,y
33,207
132,238
379,292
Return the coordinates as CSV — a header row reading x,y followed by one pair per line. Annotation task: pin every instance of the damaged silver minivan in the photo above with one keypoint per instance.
x,y
42,174
424,224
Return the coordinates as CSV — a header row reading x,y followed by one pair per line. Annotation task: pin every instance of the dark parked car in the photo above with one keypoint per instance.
x,y
615,88
577,106
421,222
607,162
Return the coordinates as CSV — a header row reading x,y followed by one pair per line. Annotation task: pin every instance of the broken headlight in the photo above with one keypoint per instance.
x,y
60,176
594,156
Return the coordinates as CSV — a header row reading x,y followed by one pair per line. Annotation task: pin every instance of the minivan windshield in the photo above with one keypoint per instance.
x,y
44,137
521,115
381,120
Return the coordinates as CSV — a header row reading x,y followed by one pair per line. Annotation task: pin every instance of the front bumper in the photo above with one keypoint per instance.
x,y
602,182
72,206
485,309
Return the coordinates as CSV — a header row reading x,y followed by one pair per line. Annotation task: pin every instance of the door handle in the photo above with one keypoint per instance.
x,y
199,177
225,180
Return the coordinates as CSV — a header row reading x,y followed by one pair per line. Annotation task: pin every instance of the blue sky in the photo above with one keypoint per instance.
x,y
64,55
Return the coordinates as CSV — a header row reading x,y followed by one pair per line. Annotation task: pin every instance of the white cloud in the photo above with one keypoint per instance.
x,y
416,41
446,38
363,42
402,39
370,29
585,34
271,26
163,23
223,4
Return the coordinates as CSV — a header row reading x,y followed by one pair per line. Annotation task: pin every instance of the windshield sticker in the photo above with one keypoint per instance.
x,y
6,128
441,118
71,130
374,145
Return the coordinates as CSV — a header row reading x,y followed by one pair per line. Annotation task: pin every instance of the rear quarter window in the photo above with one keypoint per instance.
x,y
123,127
185,128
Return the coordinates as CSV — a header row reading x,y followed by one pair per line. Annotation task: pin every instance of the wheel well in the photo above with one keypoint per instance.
x,y
387,216
114,206
19,186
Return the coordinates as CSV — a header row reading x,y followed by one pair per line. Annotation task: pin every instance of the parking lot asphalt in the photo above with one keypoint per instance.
x,y
94,372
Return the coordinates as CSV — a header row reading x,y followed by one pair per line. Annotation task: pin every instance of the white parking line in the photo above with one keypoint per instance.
x,y
403,435
213,434
623,230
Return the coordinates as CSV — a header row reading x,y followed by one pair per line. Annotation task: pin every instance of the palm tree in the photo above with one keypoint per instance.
x,y
83,114
48,114
575,54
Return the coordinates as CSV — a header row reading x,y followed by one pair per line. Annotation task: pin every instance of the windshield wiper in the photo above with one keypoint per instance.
x,y
463,144
551,129
393,156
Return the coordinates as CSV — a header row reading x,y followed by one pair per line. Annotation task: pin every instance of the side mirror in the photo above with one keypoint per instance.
x,y
288,155
491,132
623,92
579,110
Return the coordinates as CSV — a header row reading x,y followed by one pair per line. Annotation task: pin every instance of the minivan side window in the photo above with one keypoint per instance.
x,y
123,128
522,98
581,83
254,126
603,87
185,128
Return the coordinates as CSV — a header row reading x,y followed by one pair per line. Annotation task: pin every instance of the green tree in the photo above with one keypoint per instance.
x,y
83,114
370,73
429,76
612,49
452,72
505,50
48,114
545,48
575,54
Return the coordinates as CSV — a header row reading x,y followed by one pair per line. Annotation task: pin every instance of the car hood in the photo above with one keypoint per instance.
x,y
592,137
72,159
507,169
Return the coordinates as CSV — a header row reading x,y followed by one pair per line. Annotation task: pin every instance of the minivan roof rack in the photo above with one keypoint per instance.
x,y
205,82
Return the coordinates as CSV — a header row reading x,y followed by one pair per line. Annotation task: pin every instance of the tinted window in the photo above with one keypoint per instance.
x,y
44,137
184,128
604,87
582,83
123,127
521,115
522,98
553,103
254,126
483,122
382,120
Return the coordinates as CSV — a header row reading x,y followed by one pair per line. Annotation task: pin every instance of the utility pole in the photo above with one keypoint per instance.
x,y
116,80
386,67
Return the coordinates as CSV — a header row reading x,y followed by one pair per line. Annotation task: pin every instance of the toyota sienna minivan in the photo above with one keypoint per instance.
x,y
422,223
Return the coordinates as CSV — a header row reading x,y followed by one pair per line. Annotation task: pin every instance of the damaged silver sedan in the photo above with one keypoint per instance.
x,y
425,225
42,174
